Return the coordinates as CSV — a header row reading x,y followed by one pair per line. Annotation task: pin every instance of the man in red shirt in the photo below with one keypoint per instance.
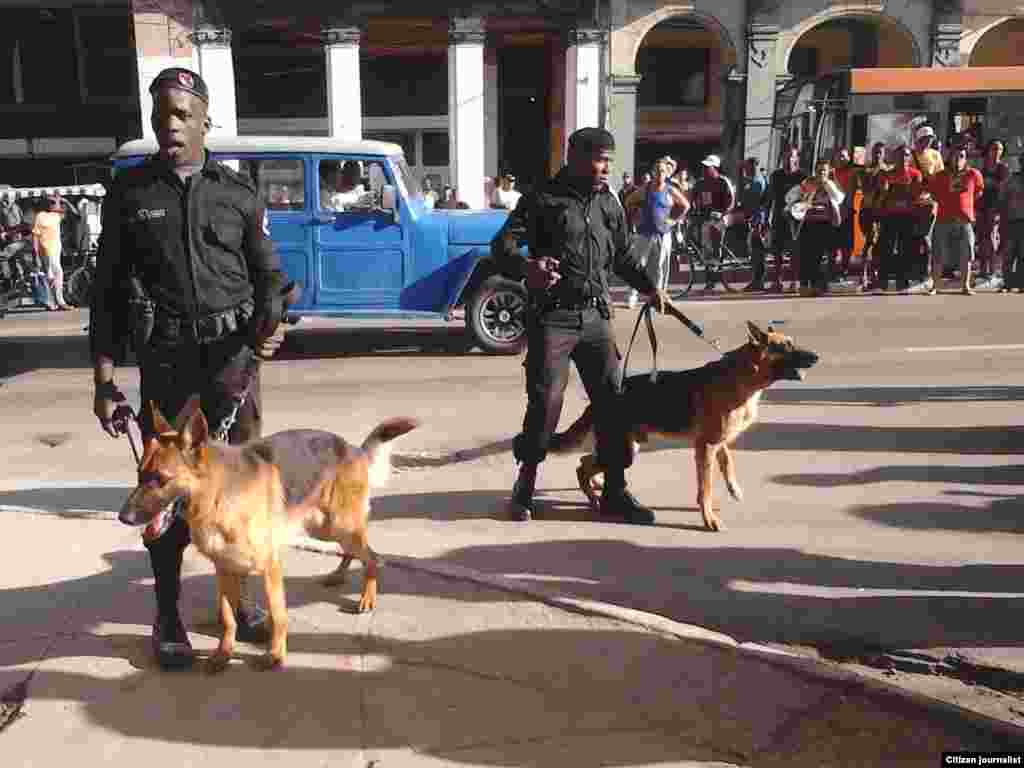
x,y
713,197
899,250
957,190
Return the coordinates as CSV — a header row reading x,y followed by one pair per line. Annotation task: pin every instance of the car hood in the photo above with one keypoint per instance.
x,y
473,227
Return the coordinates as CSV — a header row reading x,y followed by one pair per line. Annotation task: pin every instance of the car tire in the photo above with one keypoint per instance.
x,y
496,316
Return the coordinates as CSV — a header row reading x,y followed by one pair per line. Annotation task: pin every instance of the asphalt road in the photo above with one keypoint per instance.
x,y
882,505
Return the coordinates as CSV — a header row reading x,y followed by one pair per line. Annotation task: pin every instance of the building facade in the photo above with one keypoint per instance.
x,y
493,88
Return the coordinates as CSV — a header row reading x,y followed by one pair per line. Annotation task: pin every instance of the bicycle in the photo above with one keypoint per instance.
x,y
719,263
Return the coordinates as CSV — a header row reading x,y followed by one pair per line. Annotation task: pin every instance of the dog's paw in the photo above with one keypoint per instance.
x,y
712,521
217,663
735,491
269,661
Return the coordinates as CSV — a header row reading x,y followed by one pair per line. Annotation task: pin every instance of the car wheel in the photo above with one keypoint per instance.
x,y
496,316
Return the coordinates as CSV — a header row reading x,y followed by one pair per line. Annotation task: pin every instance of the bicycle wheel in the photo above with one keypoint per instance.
x,y
731,267
684,253
78,287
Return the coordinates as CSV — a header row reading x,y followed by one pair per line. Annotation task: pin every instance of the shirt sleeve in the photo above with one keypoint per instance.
x,y
264,264
519,229
106,310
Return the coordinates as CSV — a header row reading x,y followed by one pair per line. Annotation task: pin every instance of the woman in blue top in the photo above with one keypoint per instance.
x,y
660,204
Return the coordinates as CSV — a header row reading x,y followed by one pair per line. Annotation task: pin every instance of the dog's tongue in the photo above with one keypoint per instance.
x,y
158,525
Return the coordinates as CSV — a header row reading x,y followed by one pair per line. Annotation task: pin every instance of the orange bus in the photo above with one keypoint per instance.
x,y
857,107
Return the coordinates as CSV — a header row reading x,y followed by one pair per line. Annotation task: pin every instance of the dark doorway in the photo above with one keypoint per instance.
x,y
523,132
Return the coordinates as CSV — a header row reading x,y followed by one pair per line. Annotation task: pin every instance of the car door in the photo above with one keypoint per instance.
x,y
360,250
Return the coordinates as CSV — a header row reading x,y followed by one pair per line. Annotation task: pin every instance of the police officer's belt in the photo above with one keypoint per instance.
x,y
547,304
171,328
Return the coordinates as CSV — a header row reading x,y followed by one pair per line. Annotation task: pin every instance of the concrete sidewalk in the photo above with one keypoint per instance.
x,y
447,671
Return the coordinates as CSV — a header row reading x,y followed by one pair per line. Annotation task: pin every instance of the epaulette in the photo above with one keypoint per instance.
x,y
231,175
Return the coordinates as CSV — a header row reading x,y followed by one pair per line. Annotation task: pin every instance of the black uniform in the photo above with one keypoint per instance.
x,y
587,232
200,251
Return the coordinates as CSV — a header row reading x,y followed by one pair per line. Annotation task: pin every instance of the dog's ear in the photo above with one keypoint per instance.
x,y
196,431
757,336
185,414
160,425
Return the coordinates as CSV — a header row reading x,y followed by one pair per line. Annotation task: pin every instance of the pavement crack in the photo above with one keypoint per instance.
x,y
468,672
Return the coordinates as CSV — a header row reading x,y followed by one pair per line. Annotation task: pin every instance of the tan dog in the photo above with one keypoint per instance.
x,y
712,405
242,505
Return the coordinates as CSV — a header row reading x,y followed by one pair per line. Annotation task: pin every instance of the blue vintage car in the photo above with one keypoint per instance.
x,y
350,223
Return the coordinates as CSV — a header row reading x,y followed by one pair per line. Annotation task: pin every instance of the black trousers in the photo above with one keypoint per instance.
x,y
170,375
584,337
898,257
817,238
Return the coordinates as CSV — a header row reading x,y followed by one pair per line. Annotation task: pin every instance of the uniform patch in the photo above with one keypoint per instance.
x,y
145,215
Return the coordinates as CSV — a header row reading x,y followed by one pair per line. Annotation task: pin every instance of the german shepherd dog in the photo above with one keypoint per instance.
x,y
712,405
242,503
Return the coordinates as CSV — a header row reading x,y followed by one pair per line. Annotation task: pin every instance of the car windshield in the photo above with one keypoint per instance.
x,y
406,178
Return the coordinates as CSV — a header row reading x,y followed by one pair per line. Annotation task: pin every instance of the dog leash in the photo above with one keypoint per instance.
x,y
645,317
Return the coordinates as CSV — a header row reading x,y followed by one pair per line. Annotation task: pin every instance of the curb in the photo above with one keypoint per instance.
x,y
1011,736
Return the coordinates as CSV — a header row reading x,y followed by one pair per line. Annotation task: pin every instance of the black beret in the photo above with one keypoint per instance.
x,y
182,79
591,140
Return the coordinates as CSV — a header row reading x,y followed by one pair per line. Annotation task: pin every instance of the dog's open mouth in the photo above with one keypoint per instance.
x,y
796,365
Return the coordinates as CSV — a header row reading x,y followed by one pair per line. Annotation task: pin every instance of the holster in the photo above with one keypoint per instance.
x,y
142,311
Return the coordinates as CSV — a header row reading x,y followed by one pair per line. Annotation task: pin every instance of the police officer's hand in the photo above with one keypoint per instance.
x,y
268,347
542,273
111,408
660,300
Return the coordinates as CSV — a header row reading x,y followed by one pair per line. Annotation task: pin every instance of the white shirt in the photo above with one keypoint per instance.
x,y
506,199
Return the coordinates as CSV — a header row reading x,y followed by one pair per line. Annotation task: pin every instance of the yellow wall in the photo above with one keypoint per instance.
x,y
834,44
1001,46
702,124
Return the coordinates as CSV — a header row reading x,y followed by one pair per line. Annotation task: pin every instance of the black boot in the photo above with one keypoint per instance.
x,y
171,645
620,503
520,506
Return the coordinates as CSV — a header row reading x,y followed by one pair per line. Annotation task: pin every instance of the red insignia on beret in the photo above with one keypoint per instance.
x,y
186,80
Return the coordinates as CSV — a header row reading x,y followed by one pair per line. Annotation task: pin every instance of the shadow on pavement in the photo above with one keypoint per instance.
x,y
21,354
507,696
325,343
926,473
888,396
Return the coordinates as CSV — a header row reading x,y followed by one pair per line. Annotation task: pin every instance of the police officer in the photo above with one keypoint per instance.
x,y
577,233
189,235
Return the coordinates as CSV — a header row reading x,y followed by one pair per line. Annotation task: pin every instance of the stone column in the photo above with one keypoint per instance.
x,y
344,88
622,119
160,42
216,66
762,67
584,51
492,163
466,109
946,44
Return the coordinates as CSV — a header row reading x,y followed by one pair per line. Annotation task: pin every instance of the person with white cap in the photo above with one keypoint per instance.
x,y
713,197
927,158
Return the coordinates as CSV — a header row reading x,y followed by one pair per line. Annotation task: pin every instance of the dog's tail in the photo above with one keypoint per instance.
x,y
575,437
378,447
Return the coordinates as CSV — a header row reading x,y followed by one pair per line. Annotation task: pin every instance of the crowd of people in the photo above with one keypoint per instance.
x,y
925,215
43,234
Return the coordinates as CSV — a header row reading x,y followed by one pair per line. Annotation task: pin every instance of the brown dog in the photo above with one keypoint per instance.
x,y
712,405
243,503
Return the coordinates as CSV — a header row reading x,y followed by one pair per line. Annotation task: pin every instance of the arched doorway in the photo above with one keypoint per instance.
x,y
681,99
1000,46
851,41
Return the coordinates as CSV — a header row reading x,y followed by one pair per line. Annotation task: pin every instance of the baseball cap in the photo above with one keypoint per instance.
x,y
925,130
712,161
182,79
